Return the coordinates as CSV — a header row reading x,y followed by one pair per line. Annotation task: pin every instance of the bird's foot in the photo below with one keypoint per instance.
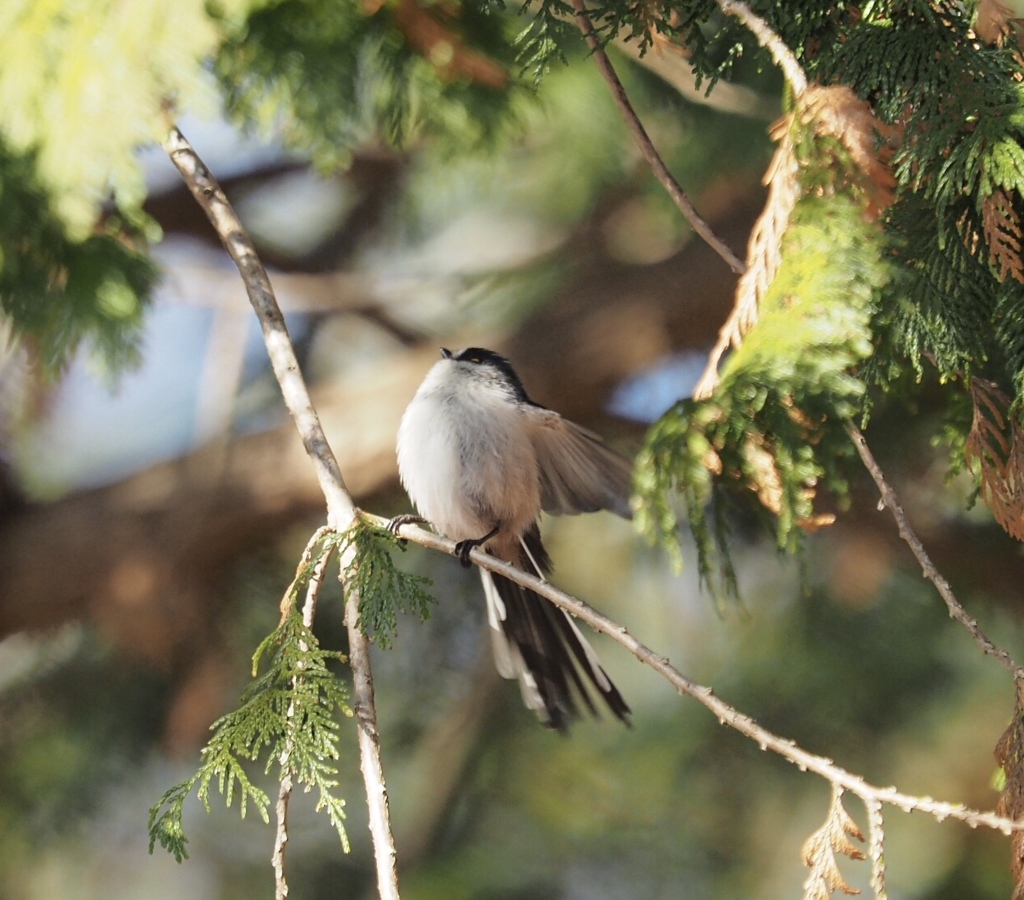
x,y
407,519
463,548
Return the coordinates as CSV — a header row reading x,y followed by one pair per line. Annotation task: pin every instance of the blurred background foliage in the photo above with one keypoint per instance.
x,y
411,186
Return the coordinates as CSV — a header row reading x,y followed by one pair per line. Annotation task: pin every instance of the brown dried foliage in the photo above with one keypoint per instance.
x,y
834,111
995,455
838,112
1011,802
764,252
820,849
1004,235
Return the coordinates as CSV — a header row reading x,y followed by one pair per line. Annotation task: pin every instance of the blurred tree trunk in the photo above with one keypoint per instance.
x,y
143,557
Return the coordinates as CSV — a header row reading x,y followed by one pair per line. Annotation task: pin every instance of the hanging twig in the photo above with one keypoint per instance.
x,y
285,789
341,510
910,538
645,144
725,713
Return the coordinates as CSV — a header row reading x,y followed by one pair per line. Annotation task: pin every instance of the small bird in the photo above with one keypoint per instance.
x,y
480,461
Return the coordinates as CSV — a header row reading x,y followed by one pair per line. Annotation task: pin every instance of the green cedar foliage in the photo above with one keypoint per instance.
x,y
775,424
855,307
83,84
384,591
288,713
57,290
332,75
954,104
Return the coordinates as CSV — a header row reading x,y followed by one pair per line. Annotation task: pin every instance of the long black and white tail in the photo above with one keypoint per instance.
x,y
541,646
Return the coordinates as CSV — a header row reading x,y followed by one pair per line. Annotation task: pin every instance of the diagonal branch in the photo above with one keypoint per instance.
x,y
341,510
771,225
956,609
647,148
726,714
214,203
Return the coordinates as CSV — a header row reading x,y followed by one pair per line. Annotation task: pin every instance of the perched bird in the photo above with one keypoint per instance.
x,y
480,461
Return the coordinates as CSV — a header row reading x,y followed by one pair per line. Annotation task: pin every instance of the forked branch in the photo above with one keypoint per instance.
x,y
341,510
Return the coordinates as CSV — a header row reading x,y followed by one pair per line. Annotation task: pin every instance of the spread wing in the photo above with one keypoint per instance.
x,y
578,471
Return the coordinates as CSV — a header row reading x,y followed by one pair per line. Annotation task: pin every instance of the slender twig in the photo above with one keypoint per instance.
x,y
208,194
647,148
726,714
910,538
341,510
284,792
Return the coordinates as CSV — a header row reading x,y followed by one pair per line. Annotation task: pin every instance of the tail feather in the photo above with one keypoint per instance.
x,y
541,646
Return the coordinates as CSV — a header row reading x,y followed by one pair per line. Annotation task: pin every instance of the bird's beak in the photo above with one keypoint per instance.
x,y
446,353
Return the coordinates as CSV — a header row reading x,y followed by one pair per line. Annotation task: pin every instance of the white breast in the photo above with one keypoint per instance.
x,y
464,457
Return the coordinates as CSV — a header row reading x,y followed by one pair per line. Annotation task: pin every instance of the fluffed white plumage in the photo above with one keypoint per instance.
x,y
464,457
480,461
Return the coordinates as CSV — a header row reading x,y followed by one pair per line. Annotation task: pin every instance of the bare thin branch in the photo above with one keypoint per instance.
x,y
208,194
341,510
647,148
910,538
725,713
